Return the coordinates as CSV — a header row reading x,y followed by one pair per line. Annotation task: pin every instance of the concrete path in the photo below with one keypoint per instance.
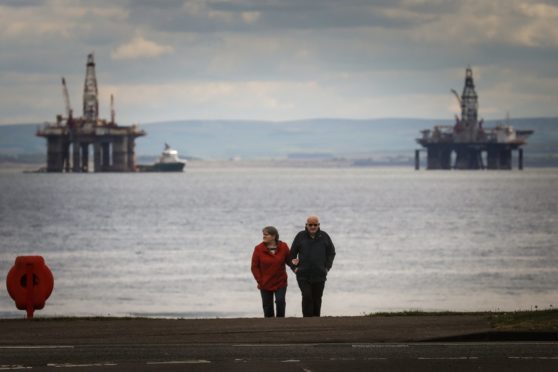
x,y
79,331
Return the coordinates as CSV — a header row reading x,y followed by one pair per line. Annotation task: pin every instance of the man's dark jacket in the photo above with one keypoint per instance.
x,y
315,255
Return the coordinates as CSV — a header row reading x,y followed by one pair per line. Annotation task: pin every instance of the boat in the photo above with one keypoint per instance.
x,y
167,162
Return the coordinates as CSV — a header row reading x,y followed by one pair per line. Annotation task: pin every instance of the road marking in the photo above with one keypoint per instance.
x,y
271,345
7,367
72,365
379,346
531,358
448,358
291,361
38,347
193,361
342,358
485,343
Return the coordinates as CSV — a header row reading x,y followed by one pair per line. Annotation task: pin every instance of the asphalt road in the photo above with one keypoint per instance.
x,y
492,356
412,343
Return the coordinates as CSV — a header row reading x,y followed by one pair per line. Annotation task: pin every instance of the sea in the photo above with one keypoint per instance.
x,y
179,245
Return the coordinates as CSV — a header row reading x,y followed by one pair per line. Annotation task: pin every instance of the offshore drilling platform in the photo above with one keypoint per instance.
x,y
467,144
69,139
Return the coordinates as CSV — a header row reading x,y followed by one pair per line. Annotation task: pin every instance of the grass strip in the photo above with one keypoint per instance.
x,y
521,320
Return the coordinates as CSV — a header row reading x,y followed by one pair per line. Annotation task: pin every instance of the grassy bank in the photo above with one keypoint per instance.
x,y
535,320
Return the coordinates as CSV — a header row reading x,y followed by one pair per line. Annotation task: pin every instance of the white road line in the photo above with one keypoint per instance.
x,y
379,346
271,345
485,343
291,361
7,367
196,361
38,347
448,358
531,358
72,365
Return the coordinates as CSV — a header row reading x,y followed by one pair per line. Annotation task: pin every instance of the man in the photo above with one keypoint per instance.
x,y
312,252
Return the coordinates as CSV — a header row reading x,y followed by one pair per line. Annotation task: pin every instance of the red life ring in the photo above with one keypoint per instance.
x,y
30,283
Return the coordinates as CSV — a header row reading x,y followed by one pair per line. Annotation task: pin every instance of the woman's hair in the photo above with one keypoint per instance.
x,y
271,230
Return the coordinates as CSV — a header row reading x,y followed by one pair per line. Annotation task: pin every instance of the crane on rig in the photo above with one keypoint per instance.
x,y
66,99
112,111
456,96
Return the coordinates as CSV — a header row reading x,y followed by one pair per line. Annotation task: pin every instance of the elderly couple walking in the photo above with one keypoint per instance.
x,y
310,257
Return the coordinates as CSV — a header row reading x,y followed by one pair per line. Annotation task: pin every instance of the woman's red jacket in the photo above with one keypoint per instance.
x,y
269,269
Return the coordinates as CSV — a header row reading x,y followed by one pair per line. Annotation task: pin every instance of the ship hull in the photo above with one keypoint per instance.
x,y
162,167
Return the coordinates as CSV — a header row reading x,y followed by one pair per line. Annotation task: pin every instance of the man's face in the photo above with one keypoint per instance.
x,y
312,224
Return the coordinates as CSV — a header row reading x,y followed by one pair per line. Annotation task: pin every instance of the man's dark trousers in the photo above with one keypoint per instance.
x,y
311,297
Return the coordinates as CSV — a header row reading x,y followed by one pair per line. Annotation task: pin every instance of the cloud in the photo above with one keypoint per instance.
x,y
280,59
540,10
201,16
55,19
140,48
497,24
251,17
539,29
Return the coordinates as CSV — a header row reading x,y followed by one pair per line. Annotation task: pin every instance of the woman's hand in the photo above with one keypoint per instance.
x,y
295,261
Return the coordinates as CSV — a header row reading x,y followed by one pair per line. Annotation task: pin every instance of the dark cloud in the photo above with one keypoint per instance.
x,y
21,3
277,15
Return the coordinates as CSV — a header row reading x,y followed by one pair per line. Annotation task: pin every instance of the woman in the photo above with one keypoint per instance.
x,y
268,267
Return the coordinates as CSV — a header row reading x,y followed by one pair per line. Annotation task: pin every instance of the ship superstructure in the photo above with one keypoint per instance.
x,y
468,144
69,139
167,162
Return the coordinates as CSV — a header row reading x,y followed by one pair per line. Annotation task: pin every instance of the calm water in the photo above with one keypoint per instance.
x,y
180,244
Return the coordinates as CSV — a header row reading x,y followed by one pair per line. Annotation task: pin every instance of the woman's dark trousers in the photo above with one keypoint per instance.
x,y
311,297
267,302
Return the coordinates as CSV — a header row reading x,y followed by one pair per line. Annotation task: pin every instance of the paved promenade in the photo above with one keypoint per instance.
x,y
81,331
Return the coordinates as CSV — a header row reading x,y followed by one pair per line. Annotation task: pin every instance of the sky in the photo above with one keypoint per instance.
x,y
278,60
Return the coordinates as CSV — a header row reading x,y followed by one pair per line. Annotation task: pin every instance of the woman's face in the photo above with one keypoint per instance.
x,y
268,238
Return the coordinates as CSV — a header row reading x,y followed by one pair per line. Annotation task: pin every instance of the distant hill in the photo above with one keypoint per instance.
x,y
307,138
311,139
20,139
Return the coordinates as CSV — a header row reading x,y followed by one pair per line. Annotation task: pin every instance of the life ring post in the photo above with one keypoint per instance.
x,y
30,283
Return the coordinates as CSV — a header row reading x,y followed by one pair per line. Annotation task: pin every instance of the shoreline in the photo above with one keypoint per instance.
x,y
528,319
336,163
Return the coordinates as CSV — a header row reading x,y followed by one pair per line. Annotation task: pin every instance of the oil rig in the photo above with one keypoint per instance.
x,y
468,144
69,139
